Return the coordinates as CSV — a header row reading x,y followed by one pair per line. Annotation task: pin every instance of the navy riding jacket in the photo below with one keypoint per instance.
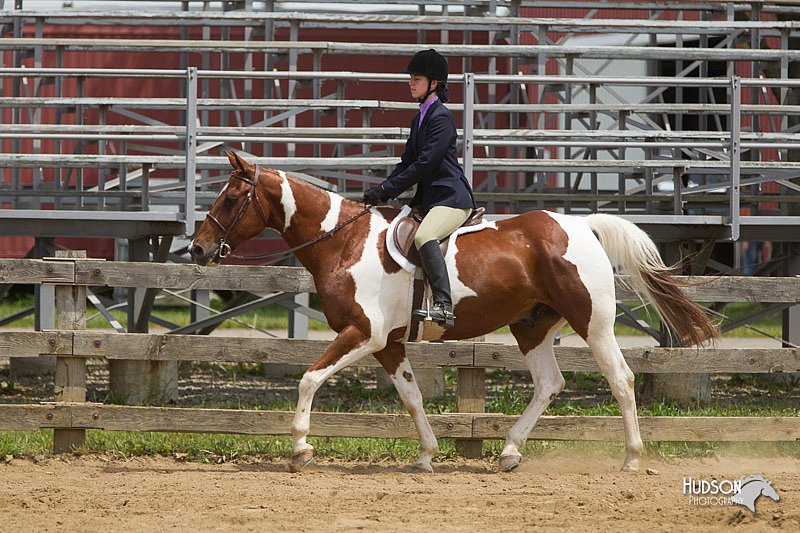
x,y
430,162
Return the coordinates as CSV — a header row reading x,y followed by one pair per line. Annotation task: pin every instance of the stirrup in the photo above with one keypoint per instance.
x,y
438,313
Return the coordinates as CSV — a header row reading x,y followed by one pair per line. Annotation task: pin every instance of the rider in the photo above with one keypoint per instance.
x,y
429,161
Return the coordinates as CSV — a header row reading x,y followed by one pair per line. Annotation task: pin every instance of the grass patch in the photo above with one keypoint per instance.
x,y
217,449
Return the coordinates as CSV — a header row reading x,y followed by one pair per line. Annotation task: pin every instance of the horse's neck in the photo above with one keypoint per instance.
x,y
312,211
300,203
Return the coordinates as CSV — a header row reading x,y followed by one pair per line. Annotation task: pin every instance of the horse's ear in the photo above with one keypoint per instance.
x,y
241,163
231,159
234,160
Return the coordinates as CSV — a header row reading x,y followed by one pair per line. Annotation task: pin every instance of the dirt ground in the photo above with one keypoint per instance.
x,y
553,492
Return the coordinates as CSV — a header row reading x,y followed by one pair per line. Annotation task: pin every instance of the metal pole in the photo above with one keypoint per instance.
x,y
469,119
735,153
191,147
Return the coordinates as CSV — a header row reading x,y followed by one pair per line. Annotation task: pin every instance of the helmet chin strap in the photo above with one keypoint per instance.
x,y
428,93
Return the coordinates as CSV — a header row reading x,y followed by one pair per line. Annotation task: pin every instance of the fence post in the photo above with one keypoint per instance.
x,y
70,380
470,398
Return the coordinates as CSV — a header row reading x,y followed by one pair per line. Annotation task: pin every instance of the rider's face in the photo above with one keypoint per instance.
x,y
419,85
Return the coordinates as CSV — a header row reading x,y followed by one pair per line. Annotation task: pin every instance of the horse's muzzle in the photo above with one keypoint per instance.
x,y
201,255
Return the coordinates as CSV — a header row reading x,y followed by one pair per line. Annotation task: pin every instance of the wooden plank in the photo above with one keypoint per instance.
x,y
653,360
658,428
35,271
33,417
297,279
186,276
144,346
35,343
457,425
125,418
742,289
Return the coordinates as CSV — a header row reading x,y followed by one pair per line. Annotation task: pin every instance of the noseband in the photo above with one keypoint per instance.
x,y
252,195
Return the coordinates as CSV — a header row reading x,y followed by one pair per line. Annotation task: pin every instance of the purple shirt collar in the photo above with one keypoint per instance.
x,y
423,108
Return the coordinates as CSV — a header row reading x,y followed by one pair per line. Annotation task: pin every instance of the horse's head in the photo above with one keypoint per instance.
x,y
769,491
236,215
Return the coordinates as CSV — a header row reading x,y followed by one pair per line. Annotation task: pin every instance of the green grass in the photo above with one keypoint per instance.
x,y
217,449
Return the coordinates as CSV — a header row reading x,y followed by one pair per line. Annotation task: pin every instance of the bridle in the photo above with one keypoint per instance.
x,y
252,195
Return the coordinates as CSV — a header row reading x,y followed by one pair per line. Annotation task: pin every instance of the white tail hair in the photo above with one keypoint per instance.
x,y
632,252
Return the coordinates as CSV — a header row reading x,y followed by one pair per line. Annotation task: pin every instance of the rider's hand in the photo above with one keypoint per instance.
x,y
374,196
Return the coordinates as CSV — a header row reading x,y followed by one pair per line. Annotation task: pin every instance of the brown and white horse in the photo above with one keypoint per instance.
x,y
534,272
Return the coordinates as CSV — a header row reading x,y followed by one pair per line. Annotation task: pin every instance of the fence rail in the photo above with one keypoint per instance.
x,y
71,416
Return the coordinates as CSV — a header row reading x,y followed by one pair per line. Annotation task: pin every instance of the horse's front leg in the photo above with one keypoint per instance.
x,y
349,346
394,361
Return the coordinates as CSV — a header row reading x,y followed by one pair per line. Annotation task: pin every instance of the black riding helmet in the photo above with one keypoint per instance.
x,y
428,63
432,65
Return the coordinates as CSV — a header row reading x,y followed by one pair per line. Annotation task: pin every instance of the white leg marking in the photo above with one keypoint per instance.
x,y
332,217
621,379
287,200
406,385
548,382
311,382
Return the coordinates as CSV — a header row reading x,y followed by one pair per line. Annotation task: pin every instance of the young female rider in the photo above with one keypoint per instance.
x,y
430,162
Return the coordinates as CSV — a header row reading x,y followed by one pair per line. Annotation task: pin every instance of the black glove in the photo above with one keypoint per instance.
x,y
374,196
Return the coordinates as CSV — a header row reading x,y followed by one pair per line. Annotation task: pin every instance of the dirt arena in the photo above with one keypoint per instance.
x,y
554,492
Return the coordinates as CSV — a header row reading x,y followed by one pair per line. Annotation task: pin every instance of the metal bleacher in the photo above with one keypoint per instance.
x,y
682,116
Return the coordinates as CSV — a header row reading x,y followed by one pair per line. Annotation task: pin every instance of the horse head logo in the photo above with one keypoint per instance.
x,y
752,488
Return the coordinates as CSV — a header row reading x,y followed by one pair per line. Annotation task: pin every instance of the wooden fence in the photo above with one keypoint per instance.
x,y
70,415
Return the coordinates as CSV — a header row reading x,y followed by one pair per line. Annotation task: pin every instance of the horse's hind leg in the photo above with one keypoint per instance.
x,y
393,359
621,379
536,343
349,346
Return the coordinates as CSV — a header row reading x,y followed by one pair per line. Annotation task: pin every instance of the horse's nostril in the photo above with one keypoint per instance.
x,y
197,251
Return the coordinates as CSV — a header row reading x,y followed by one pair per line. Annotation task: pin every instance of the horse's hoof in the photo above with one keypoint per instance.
x,y
509,462
631,466
301,459
419,468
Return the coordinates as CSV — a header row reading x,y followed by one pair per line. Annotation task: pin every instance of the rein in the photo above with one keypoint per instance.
x,y
252,195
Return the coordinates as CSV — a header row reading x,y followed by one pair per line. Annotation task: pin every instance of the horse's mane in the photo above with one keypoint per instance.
x,y
750,479
389,211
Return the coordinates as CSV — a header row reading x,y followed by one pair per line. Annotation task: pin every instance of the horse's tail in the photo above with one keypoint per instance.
x,y
631,250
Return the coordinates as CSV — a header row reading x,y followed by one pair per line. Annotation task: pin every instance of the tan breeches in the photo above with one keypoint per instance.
x,y
440,222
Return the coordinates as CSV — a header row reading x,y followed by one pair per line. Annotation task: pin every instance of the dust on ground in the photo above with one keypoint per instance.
x,y
554,492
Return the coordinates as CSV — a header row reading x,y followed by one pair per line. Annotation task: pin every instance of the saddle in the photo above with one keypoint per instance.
x,y
406,228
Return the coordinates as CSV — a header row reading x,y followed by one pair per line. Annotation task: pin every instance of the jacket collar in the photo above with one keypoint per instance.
x,y
428,114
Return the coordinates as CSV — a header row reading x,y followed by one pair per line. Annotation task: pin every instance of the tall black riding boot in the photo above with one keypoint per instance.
x,y
435,268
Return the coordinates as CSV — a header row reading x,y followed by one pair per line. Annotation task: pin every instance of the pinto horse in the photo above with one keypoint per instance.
x,y
534,272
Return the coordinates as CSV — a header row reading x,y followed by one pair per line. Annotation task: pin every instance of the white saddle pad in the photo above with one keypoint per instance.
x,y
394,251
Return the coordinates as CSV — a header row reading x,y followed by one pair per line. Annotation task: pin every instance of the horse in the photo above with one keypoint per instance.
x,y
752,488
534,272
